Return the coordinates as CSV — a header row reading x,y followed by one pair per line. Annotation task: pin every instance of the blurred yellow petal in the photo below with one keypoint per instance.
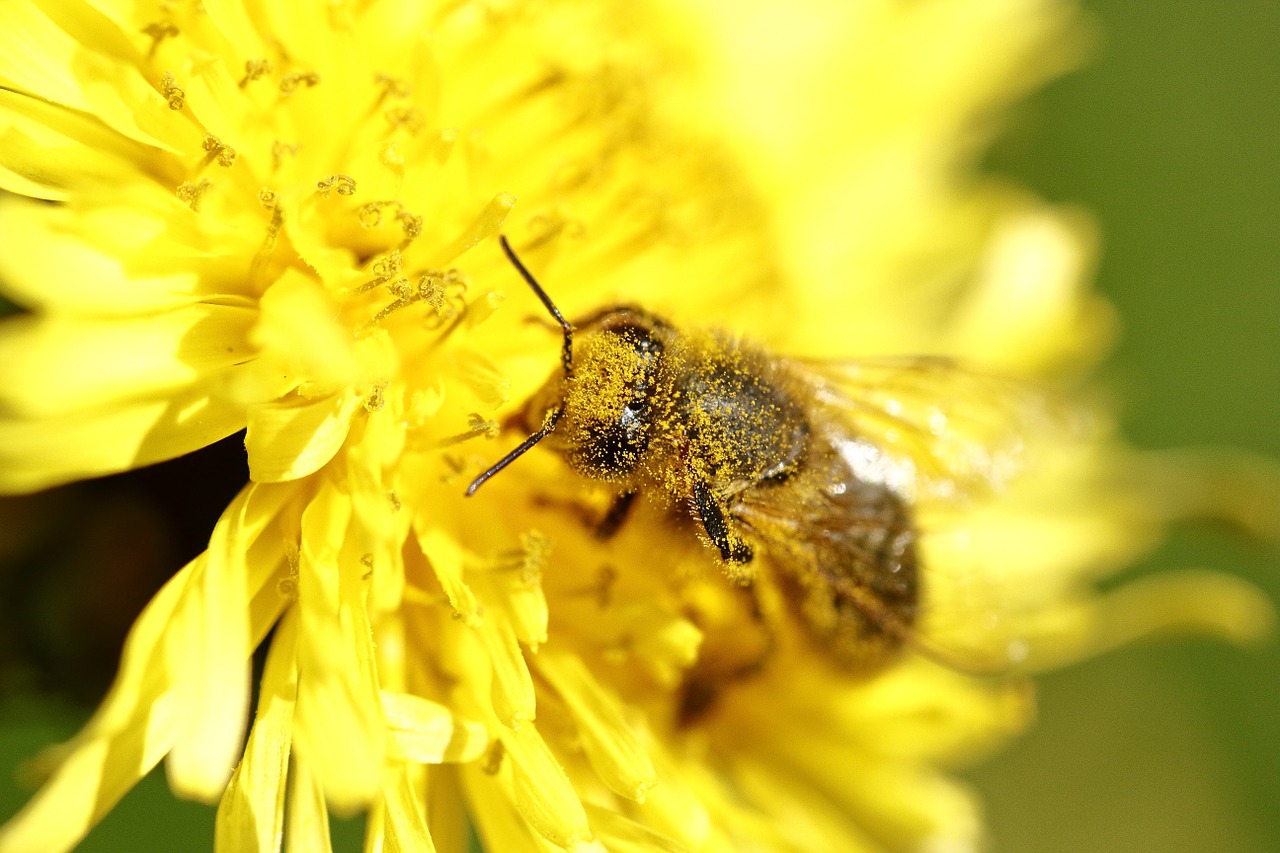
x,y
402,812
251,813
543,793
210,664
613,747
48,152
42,58
306,816
36,454
60,366
336,681
426,732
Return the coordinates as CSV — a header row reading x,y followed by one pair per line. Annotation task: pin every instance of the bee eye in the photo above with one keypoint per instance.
x,y
610,411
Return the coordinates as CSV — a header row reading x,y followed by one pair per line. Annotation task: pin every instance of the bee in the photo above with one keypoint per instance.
x,y
809,469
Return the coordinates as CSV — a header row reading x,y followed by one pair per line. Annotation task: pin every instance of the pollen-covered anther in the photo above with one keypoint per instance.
x,y
296,80
370,213
218,150
376,397
173,93
386,270
191,193
255,69
411,223
478,426
341,184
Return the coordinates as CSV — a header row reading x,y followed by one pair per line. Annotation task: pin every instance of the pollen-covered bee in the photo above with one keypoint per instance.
x,y
809,470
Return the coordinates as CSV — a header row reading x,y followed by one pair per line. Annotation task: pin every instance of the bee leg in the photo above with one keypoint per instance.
x,y
608,526
711,515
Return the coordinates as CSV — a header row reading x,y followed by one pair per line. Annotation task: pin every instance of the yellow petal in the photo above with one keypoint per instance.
x,y
91,781
36,454
56,365
299,335
405,822
620,835
1171,603
39,56
610,742
337,689
444,554
307,817
120,259
251,813
131,731
289,439
210,645
46,150
427,732
485,226
512,688
543,793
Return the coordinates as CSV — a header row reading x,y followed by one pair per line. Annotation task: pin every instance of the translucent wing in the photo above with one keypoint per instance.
x,y
929,427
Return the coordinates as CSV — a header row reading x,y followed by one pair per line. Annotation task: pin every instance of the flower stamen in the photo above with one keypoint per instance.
x,y
341,184
295,80
173,93
217,150
191,193
159,31
279,150
478,426
255,69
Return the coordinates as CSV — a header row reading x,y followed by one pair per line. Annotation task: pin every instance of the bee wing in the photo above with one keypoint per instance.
x,y
929,427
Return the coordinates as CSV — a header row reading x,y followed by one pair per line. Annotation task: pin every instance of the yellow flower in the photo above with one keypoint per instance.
x,y
279,218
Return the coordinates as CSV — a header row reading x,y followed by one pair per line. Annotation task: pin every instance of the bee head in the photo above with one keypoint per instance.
x,y
605,399
597,407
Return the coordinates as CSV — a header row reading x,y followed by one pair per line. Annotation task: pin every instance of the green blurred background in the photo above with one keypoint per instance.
x,y
1171,136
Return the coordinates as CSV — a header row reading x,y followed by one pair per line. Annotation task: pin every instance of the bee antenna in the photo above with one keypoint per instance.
x,y
566,359
566,353
547,426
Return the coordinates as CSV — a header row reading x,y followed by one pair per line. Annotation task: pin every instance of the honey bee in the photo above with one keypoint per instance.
x,y
811,470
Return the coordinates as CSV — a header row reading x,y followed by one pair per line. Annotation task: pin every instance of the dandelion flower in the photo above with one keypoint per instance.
x,y
280,218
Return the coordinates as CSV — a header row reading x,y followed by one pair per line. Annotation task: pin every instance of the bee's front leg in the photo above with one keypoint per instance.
x,y
713,517
619,510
